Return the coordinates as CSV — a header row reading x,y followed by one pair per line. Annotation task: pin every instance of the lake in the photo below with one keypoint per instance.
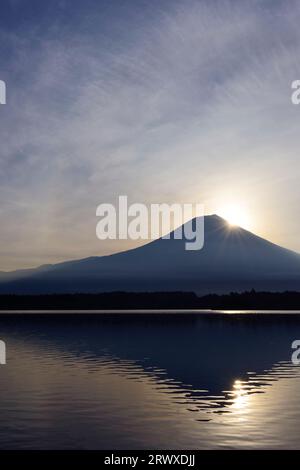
x,y
149,381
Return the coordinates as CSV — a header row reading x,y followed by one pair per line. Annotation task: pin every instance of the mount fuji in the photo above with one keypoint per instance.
x,y
232,259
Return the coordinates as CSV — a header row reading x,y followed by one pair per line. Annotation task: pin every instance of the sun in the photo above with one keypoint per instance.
x,y
235,215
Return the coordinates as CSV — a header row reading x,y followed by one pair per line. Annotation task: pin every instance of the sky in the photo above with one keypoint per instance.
x,y
163,101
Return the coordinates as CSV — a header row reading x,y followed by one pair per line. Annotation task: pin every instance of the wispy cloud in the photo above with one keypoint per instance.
x,y
192,104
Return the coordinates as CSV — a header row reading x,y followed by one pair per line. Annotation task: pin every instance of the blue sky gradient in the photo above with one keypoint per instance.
x,y
173,101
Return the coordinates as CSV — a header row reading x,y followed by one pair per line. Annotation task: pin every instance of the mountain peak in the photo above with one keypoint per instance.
x,y
232,259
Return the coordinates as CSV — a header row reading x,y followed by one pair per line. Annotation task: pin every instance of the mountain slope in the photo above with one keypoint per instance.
x,y
231,259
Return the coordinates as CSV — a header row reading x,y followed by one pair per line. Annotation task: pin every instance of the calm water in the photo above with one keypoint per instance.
x,y
149,381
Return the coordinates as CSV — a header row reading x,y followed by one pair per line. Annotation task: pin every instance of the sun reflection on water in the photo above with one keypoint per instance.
x,y
239,395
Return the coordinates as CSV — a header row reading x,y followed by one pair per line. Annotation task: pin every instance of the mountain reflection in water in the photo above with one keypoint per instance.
x,y
149,381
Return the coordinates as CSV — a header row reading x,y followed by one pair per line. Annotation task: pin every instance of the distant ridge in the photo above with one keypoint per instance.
x,y
153,300
232,259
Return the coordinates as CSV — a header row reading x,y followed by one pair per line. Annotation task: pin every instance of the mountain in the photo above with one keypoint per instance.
x,y
232,259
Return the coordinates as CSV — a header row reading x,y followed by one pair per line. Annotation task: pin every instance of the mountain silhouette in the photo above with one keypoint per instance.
x,y
231,259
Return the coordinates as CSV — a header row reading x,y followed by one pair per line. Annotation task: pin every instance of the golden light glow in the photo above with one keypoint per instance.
x,y
235,215
240,396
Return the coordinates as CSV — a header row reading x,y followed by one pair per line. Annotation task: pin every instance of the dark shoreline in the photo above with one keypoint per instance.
x,y
251,300
130,314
